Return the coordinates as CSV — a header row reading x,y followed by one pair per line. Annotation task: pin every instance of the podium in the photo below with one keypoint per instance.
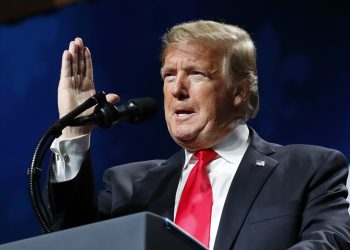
x,y
141,231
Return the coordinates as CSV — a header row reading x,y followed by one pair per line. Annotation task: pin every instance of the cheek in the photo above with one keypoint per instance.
x,y
210,103
165,91
219,108
166,95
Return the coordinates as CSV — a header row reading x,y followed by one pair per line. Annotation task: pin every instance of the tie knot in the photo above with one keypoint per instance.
x,y
206,155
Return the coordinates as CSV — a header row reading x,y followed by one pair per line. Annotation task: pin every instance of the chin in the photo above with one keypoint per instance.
x,y
189,142
182,138
187,137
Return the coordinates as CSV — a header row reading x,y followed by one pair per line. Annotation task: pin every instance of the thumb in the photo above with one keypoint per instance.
x,y
112,98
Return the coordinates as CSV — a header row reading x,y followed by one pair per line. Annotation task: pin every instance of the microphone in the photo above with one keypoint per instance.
x,y
107,115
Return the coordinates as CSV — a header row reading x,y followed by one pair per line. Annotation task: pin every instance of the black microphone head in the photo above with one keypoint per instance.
x,y
140,109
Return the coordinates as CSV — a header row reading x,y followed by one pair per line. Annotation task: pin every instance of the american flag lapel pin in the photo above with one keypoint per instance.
x,y
260,163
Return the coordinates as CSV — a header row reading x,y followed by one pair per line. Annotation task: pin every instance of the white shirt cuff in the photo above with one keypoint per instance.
x,y
69,155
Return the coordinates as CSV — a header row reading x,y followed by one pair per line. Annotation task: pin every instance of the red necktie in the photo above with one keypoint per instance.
x,y
194,209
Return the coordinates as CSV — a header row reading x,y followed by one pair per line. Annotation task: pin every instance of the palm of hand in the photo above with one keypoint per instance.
x,y
76,83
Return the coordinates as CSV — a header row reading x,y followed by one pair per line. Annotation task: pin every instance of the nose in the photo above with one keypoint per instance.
x,y
180,87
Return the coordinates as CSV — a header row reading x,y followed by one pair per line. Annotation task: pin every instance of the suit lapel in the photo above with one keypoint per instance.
x,y
252,173
167,175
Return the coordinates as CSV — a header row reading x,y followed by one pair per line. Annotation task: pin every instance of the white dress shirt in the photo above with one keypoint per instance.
x,y
221,172
69,156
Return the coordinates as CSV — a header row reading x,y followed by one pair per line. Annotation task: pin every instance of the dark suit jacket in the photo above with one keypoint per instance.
x,y
297,200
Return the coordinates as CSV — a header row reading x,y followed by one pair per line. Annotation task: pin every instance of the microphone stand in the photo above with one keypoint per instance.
x,y
35,170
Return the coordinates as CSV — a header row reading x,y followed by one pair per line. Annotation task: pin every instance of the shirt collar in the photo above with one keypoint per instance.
x,y
231,148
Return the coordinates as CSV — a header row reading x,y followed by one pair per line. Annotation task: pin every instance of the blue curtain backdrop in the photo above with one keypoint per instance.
x,y
303,62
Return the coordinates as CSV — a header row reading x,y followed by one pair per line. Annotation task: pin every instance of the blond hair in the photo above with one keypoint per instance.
x,y
239,59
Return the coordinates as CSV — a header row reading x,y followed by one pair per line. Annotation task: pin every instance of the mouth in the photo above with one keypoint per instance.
x,y
183,113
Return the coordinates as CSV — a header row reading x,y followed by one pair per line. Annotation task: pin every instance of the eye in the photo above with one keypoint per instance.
x,y
169,77
196,72
198,75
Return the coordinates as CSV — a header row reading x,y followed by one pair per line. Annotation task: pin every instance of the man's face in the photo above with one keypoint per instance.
x,y
199,106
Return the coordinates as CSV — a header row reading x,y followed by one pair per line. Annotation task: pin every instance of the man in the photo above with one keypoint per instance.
x,y
260,195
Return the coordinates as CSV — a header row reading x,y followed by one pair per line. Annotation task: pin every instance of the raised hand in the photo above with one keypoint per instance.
x,y
76,84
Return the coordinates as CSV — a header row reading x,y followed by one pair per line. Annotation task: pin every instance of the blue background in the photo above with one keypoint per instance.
x,y
303,66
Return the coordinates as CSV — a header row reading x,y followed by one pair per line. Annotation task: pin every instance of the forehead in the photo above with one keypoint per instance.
x,y
188,53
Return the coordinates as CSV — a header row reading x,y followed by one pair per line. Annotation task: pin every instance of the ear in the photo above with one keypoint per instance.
x,y
240,95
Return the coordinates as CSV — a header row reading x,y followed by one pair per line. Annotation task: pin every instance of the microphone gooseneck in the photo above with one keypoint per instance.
x,y
105,115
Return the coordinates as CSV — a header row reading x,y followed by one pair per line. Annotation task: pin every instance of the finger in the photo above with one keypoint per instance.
x,y
66,64
88,64
74,52
78,41
81,60
112,98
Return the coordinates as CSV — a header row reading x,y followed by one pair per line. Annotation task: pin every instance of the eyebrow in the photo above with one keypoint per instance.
x,y
210,72
164,69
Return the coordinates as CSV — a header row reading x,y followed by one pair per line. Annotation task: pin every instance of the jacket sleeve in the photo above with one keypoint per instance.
x,y
74,202
326,220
